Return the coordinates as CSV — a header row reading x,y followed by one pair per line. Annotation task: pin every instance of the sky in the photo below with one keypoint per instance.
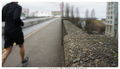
x,y
99,7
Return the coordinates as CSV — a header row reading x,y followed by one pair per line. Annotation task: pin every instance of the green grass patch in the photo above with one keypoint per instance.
x,y
116,54
99,22
102,40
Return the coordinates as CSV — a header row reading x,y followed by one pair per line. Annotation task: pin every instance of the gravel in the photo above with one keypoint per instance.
x,y
91,50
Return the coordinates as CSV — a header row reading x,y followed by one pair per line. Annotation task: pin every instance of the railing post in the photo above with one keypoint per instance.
x,y
62,26
61,31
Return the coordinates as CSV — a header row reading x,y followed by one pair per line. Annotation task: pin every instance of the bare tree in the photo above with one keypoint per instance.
x,y
93,14
77,16
72,11
88,25
78,23
87,13
77,12
92,17
72,14
67,10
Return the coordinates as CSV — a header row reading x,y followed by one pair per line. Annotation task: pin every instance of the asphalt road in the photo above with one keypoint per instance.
x,y
30,29
43,48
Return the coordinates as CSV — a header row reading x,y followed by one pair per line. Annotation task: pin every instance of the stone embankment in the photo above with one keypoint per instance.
x,y
84,50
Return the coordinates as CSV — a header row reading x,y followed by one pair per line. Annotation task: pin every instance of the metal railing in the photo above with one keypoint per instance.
x,y
29,23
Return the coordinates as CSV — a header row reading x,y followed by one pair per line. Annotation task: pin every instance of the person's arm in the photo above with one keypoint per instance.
x,y
3,19
17,15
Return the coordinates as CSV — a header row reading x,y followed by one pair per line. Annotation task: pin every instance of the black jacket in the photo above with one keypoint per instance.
x,y
11,13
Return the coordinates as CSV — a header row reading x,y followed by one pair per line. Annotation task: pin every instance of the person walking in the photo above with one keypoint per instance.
x,y
11,13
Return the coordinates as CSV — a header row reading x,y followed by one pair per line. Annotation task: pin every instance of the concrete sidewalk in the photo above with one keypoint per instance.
x,y
43,48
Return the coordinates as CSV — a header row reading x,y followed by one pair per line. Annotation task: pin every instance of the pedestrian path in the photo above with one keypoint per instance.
x,y
43,48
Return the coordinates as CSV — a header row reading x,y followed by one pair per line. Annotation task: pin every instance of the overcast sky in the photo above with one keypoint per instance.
x,y
99,7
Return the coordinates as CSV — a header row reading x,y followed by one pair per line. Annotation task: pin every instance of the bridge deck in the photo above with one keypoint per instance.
x,y
43,48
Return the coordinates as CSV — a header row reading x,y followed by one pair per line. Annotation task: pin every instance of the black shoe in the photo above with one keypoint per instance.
x,y
24,62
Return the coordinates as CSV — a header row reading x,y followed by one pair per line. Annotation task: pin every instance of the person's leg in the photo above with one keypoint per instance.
x,y
22,51
5,54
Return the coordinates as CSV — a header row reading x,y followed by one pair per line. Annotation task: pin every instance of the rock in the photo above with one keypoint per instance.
x,y
76,60
101,43
92,58
81,62
108,61
80,46
66,58
86,59
70,51
79,55
88,64
114,64
72,55
75,64
71,44
83,59
96,61
78,51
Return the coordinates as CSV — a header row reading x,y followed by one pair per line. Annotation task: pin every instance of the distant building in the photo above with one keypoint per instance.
x,y
25,12
103,18
83,23
56,13
32,14
112,19
99,19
